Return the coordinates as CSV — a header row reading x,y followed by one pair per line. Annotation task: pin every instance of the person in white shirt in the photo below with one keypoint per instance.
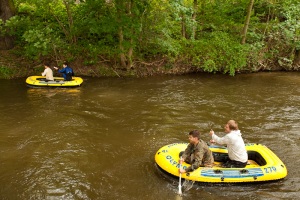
x,y
48,73
237,152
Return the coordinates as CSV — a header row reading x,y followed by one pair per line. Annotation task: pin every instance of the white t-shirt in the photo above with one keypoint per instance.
x,y
48,73
235,145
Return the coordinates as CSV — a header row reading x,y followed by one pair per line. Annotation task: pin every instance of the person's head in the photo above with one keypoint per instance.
x,y
46,65
230,126
65,64
194,136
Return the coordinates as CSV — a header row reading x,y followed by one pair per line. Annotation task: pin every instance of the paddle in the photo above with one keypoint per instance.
x,y
179,186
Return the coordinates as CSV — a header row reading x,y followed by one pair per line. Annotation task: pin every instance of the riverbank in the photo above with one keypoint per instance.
x,y
13,65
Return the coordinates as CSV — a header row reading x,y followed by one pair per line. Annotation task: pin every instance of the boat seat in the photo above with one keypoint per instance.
x,y
252,163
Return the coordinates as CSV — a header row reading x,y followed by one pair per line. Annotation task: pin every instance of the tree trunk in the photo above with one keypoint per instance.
x,y
297,58
122,55
183,29
194,16
119,7
246,25
130,50
73,38
124,9
7,10
129,55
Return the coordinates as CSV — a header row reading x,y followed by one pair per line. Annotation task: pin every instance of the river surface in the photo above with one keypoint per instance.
x,y
99,141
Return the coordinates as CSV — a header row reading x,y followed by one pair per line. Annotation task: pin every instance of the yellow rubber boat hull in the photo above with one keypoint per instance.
x,y
263,165
39,81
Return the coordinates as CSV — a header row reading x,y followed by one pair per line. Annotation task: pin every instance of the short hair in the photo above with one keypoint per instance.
x,y
46,64
195,133
232,125
65,63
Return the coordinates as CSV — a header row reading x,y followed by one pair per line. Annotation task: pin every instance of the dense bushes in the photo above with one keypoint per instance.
x,y
121,33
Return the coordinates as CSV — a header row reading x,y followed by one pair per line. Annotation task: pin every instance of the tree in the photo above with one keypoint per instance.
x,y
7,10
194,16
246,25
128,17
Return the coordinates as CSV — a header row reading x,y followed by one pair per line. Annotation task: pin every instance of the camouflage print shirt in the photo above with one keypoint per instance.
x,y
198,155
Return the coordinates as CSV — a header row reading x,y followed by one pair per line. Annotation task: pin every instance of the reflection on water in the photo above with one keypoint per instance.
x,y
50,92
98,141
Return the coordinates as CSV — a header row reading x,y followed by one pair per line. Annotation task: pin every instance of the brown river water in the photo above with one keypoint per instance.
x,y
98,141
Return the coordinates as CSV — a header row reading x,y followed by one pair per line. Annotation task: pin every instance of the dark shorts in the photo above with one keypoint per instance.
x,y
68,77
234,164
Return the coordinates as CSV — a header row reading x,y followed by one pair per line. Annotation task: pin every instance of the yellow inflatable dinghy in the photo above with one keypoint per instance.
x,y
40,81
263,165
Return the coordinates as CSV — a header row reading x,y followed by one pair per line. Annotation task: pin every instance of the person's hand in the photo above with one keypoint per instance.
x,y
212,141
56,68
182,171
181,160
211,132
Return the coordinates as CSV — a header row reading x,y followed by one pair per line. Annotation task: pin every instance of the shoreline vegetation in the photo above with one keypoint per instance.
x,y
13,66
113,38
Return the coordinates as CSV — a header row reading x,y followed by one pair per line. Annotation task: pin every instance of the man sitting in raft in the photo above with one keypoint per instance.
x,y
67,72
237,152
197,153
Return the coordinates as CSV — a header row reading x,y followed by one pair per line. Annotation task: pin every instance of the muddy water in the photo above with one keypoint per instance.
x,y
99,141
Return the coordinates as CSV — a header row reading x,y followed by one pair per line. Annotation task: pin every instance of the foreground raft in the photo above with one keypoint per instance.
x,y
40,81
263,165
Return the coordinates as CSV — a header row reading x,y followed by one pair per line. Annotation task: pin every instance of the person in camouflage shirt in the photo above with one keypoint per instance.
x,y
197,153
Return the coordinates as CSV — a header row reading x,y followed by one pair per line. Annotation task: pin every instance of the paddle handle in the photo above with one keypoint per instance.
x,y
179,185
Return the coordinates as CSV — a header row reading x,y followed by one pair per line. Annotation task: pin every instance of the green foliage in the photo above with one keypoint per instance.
x,y
168,45
291,26
227,16
282,37
38,41
290,33
1,28
6,72
97,30
218,52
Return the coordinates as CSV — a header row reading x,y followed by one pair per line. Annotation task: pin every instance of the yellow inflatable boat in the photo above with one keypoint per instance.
x,y
40,81
263,165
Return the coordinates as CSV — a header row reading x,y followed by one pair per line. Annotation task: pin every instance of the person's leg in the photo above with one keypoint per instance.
x,y
238,164
68,77
234,164
228,164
